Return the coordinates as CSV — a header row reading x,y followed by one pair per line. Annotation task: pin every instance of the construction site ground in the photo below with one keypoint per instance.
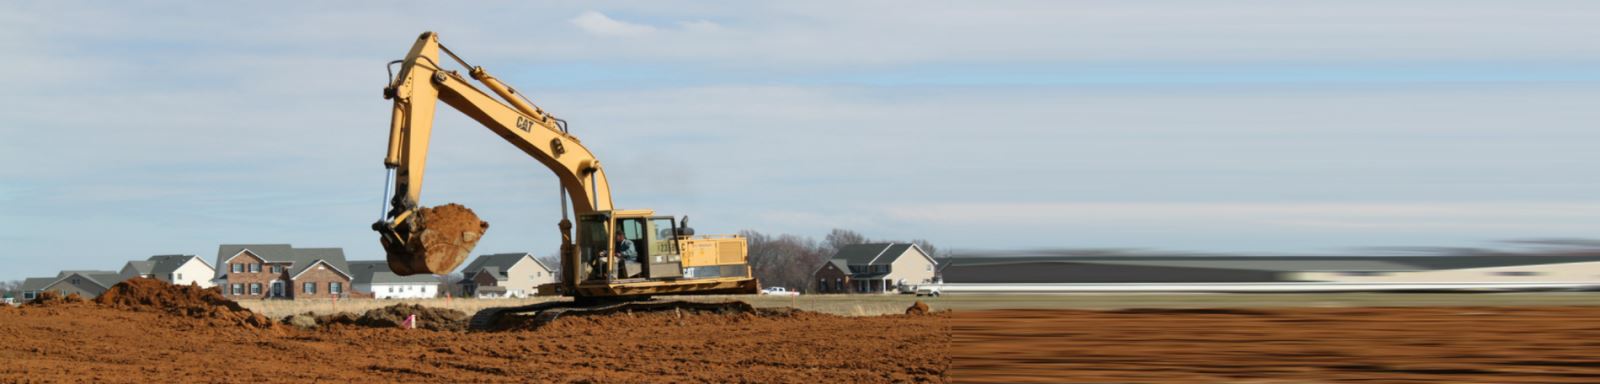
x,y
138,340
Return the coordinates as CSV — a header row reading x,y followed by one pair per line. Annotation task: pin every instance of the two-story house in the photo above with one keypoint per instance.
x,y
505,275
174,269
875,268
281,271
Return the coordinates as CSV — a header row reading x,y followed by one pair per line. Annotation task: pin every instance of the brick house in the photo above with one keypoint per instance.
x,y
280,271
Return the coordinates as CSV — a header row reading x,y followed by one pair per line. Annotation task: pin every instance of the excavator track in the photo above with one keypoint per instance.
x,y
488,319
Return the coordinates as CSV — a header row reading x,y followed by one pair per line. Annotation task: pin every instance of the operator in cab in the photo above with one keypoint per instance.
x,y
625,250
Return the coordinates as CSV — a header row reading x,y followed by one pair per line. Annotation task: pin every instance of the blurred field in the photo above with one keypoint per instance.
x,y
872,305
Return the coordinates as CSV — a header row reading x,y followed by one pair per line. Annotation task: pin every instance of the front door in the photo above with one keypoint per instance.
x,y
277,289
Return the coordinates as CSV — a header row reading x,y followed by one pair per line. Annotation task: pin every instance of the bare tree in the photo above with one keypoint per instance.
x,y
450,284
785,260
838,238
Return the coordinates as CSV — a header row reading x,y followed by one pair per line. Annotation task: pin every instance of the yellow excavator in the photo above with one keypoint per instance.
x,y
620,257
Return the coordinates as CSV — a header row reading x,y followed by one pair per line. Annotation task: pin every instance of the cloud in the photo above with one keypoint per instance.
x,y
599,24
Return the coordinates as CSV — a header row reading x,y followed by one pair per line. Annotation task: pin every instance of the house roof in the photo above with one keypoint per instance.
x,y
876,253
378,272
141,267
299,259
104,278
502,261
304,258
36,283
492,271
164,264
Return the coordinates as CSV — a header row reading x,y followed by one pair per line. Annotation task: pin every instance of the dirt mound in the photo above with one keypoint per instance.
x,y
151,295
917,308
449,233
430,318
52,298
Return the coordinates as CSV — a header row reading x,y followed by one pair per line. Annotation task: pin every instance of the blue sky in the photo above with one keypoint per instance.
x,y
139,128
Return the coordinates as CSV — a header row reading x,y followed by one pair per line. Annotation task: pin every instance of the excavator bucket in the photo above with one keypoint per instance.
x,y
432,240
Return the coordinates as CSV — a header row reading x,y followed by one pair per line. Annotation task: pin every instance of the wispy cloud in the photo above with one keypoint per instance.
x,y
600,24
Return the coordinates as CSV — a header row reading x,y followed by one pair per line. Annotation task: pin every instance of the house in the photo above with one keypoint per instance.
x,y
376,278
505,275
875,268
88,284
281,271
174,269
1185,273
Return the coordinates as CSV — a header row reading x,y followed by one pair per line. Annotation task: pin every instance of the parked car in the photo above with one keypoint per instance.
x,y
928,290
779,291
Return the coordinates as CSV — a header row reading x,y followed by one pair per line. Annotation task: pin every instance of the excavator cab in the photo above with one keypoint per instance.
x,y
666,259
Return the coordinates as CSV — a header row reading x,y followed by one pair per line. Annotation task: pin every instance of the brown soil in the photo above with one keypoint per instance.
x,y
917,308
100,343
449,233
1424,345
51,298
142,294
434,319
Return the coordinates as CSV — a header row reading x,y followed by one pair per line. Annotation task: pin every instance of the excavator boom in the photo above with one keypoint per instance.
x,y
669,259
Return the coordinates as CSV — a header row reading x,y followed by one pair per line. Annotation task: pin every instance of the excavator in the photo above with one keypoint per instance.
x,y
617,260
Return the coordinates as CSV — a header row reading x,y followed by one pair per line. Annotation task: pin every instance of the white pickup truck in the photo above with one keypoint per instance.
x,y
779,291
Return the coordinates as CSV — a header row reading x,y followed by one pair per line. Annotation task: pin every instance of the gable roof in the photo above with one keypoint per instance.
x,y
877,253
141,267
501,261
299,259
104,279
378,272
304,258
36,283
164,264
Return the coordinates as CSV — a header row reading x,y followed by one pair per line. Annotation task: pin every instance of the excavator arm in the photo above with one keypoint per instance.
x,y
421,84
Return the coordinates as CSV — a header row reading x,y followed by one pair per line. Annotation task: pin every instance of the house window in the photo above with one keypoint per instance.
x,y
1517,273
28,295
255,288
177,276
838,284
930,267
308,288
335,288
504,273
238,268
238,289
277,268
391,289
74,281
822,284
255,268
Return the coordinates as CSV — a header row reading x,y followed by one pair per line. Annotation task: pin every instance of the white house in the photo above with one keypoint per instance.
x,y
505,275
175,269
376,278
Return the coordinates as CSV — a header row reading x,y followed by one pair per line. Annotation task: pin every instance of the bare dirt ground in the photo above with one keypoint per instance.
x,y
128,340
1292,345
146,331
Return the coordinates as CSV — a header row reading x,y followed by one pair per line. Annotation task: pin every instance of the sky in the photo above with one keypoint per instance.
x,y
129,129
